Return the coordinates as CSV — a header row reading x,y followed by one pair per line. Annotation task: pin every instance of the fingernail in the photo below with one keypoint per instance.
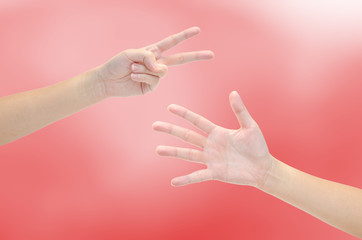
x,y
133,76
134,67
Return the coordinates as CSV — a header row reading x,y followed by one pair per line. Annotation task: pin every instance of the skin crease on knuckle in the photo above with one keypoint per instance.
x,y
188,135
193,155
181,59
173,40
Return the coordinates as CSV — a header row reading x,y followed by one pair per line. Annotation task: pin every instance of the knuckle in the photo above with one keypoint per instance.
x,y
151,48
162,73
184,35
191,154
129,52
188,135
149,53
173,40
197,121
181,59
175,152
185,113
194,155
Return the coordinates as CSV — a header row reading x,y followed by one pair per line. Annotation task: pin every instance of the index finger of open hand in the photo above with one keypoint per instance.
x,y
198,121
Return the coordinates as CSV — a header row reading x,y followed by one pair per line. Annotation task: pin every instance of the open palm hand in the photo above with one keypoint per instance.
x,y
235,156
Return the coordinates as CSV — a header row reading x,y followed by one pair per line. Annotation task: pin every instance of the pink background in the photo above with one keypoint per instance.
x,y
95,175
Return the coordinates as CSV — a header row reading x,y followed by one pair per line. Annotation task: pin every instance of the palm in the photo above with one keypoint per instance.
x,y
235,156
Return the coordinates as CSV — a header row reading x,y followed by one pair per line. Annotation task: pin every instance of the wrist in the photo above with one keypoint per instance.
x,y
271,176
94,86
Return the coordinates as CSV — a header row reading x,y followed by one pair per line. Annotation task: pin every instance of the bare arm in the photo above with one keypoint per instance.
x,y
26,112
242,157
130,73
336,204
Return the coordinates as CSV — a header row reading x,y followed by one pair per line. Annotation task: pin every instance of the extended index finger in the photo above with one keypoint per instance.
x,y
186,57
175,39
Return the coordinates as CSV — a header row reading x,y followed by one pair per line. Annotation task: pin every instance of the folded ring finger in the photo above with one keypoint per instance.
x,y
139,68
146,78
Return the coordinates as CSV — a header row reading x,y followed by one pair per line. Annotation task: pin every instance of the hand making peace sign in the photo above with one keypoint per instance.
x,y
138,71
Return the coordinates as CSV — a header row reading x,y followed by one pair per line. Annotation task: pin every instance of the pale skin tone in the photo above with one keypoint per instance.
x,y
130,73
242,157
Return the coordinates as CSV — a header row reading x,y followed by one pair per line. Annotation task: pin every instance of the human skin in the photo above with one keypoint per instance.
x,y
242,157
129,73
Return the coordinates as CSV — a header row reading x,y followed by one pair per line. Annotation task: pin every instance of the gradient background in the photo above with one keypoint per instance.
x,y
95,175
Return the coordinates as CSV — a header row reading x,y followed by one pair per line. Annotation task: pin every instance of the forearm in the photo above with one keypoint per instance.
x,y
27,112
336,204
